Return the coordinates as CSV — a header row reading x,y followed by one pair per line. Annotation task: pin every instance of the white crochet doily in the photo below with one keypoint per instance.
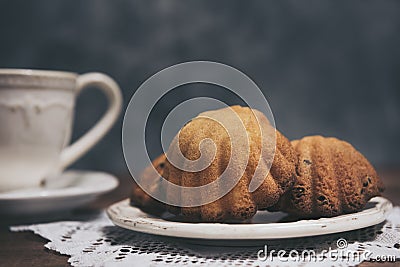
x,y
97,242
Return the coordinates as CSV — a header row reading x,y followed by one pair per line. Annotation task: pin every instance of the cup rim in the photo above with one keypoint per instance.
x,y
38,73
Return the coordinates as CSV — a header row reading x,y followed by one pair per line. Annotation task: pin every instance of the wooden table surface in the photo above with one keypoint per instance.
x,y
27,249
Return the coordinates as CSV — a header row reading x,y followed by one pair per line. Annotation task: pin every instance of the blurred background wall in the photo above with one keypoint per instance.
x,y
326,67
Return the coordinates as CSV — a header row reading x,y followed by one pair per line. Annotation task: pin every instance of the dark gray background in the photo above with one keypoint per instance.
x,y
326,67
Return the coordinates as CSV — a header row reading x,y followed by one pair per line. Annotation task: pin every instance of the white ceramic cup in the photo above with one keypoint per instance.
x,y
36,117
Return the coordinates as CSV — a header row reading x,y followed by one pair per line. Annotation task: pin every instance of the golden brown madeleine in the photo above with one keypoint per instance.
x,y
333,179
239,204
140,198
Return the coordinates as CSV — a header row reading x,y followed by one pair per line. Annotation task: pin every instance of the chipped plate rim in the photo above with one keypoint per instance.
x,y
126,216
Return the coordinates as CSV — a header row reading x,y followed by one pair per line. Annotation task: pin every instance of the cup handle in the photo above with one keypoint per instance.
x,y
111,89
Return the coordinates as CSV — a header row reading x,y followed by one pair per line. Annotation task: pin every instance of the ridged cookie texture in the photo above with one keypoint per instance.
x,y
333,178
141,199
238,204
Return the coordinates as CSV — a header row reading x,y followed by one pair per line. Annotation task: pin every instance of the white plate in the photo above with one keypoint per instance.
x,y
264,224
70,190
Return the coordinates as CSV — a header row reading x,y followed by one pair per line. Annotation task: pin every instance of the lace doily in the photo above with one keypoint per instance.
x,y
96,241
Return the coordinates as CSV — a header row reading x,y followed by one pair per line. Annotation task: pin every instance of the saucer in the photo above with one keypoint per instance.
x,y
69,190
